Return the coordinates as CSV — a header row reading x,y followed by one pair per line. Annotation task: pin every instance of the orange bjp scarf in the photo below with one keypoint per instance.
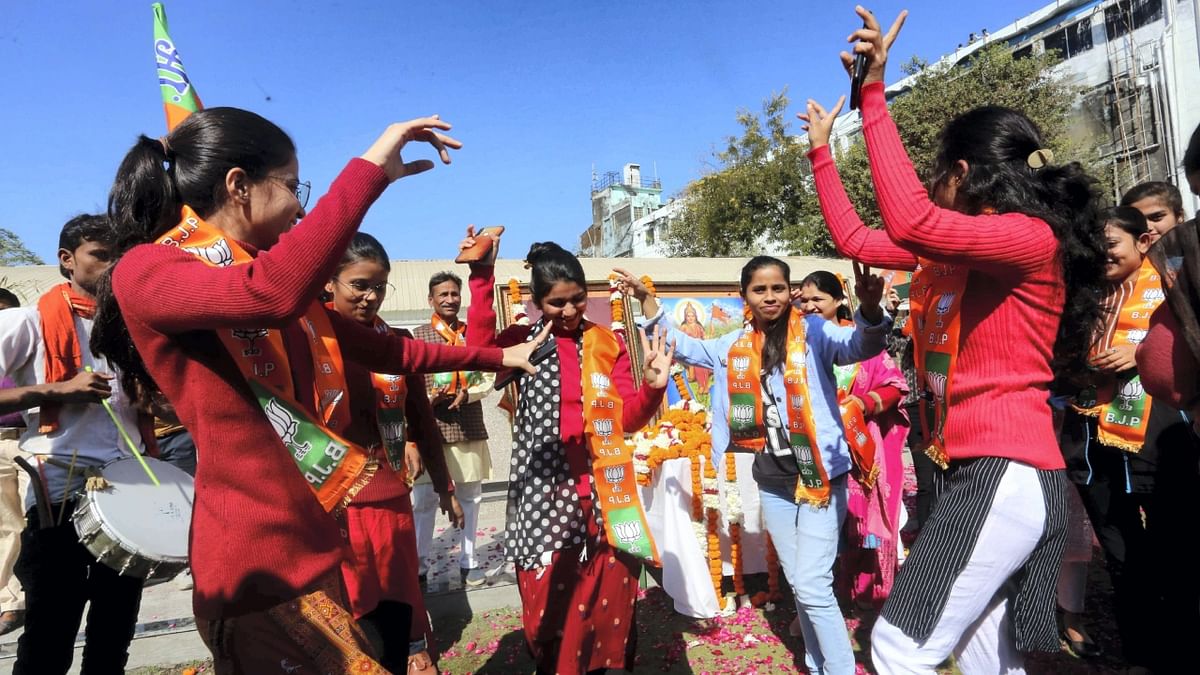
x,y
747,426
1120,403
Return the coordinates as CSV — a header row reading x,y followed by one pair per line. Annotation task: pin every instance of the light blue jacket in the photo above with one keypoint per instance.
x,y
828,344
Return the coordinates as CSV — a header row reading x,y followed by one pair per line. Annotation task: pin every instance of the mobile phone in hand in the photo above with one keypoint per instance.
x,y
858,73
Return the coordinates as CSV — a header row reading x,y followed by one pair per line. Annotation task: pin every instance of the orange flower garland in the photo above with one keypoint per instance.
x,y
616,301
680,382
516,306
649,284
772,594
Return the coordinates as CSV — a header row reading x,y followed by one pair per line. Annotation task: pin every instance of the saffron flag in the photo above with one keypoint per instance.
x,y
719,314
178,94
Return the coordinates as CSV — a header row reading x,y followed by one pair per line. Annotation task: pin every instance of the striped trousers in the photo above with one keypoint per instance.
x,y
980,581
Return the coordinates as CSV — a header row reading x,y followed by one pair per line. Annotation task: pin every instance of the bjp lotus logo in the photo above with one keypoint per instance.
x,y
742,413
628,533
937,384
392,432
285,427
1130,392
603,428
218,254
1137,335
600,381
796,401
740,364
614,474
943,306
860,438
250,335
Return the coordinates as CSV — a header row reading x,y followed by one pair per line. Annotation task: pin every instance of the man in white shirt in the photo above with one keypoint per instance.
x,y
44,350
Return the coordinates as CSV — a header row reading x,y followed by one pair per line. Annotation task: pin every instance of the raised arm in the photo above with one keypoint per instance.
x,y
267,293
481,315
851,236
640,403
847,344
1000,244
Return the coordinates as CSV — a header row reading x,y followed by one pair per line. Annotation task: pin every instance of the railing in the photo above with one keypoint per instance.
x,y
611,178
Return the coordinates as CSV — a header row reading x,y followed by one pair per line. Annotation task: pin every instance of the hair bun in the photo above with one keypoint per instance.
x,y
542,250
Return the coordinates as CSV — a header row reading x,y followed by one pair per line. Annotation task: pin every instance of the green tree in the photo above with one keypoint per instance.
x,y
13,251
757,193
764,185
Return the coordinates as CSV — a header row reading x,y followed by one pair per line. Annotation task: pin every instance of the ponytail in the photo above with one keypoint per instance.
x,y
154,181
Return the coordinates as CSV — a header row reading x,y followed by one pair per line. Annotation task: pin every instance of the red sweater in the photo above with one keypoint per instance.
x,y
999,396
387,485
259,537
1166,363
639,404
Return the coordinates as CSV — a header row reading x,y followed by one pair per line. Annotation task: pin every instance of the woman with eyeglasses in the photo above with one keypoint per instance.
x,y
1009,263
393,419
212,301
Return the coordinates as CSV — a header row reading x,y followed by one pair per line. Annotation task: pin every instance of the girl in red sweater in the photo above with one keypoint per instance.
x,y
1009,263
575,527
223,311
391,417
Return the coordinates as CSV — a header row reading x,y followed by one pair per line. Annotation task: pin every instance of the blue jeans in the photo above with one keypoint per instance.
x,y
806,539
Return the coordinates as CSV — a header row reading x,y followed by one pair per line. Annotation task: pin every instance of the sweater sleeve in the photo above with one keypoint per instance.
x,y
851,236
276,287
639,404
481,315
425,434
398,354
1000,244
1166,363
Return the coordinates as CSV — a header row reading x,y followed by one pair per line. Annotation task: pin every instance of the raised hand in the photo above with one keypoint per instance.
x,y
631,285
819,123
517,356
869,289
658,357
872,42
385,152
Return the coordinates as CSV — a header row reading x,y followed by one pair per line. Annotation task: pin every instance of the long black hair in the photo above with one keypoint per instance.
x,y
551,264
829,284
775,333
997,143
155,179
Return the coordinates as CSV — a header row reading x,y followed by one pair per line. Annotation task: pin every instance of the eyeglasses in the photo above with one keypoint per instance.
x,y
362,289
300,189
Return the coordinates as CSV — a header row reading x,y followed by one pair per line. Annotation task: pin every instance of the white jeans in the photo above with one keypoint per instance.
x,y
425,508
974,626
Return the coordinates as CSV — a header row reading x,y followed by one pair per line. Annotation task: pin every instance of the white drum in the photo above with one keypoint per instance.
x,y
135,527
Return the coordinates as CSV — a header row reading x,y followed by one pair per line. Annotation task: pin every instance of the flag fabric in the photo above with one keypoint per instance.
x,y
719,314
178,94
899,280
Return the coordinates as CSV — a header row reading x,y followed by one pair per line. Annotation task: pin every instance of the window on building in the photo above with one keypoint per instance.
x,y
1070,41
650,236
1024,52
1127,15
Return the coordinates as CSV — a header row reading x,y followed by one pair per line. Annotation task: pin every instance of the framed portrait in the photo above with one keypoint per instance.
x,y
703,311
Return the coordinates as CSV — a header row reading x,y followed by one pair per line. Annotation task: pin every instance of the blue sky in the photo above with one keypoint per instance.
x,y
539,92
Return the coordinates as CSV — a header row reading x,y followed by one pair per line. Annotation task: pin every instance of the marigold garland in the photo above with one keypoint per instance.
x,y
520,318
616,302
680,382
649,284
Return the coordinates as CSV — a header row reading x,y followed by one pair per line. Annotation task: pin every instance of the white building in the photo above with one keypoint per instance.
x,y
1138,63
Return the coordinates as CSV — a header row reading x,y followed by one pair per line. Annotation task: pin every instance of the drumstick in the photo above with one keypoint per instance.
x,y
70,474
128,441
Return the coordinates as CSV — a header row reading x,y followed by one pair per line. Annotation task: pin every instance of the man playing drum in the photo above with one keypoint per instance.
x,y
44,349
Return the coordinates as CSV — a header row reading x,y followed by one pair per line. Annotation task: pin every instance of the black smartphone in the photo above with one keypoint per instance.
x,y
540,354
858,73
